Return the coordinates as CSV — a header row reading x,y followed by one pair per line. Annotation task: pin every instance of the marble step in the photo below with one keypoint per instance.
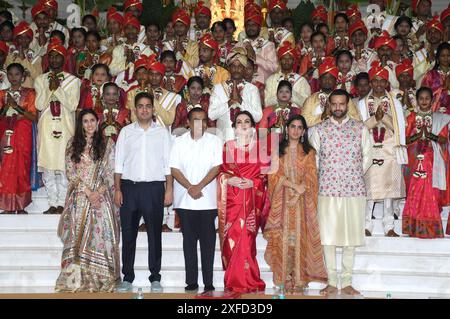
x,y
39,222
374,261
175,277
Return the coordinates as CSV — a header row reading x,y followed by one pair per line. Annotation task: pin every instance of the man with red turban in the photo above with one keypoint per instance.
x,y
114,24
363,56
135,8
288,57
266,56
208,69
445,20
23,54
57,97
319,15
50,7
385,46
316,109
383,116
202,22
185,49
353,14
277,11
127,53
406,93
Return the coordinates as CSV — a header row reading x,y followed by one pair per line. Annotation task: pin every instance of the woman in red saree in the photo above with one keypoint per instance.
x,y
438,80
17,113
242,196
427,138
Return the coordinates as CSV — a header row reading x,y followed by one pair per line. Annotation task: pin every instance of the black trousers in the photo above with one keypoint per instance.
x,y
198,225
141,200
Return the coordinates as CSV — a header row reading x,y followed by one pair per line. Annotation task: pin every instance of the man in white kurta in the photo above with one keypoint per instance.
x,y
343,154
57,97
233,96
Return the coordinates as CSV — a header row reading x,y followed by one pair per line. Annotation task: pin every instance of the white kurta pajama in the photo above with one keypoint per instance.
x,y
343,155
51,149
220,111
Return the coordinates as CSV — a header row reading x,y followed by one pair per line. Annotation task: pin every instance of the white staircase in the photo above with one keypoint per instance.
x,y
30,255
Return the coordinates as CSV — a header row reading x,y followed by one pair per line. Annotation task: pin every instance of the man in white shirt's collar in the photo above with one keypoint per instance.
x,y
195,160
143,186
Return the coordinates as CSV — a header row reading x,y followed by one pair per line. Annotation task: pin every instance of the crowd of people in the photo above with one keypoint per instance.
x,y
297,138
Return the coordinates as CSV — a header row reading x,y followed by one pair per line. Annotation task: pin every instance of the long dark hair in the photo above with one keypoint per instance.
x,y
79,140
285,141
441,47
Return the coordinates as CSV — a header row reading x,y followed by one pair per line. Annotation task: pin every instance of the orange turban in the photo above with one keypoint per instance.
x,y
131,3
385,39
253,14
358,25
112,14
209,41
132,20
202,9
55,44
405,66
53,4
329,66
158,67
376,70
352,11
181,16
280,4
436,24
38,8
23,28
287,48
321,12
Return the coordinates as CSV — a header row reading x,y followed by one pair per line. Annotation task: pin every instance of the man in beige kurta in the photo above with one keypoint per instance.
x,y
343,151
383,116
315,107
57,97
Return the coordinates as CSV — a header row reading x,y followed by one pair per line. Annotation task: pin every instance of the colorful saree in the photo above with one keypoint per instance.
x,y
294,251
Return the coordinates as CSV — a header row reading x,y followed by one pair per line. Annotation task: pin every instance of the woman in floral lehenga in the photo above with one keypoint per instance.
x,y
427,139
294,252
89,225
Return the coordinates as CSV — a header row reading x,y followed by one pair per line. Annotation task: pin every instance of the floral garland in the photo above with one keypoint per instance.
x,y
29,53
371,104
236,107
110,119
323,100
338,39
291,78
257,44
424,121
411,97
203,71
346,80
315,57
305,49
135,48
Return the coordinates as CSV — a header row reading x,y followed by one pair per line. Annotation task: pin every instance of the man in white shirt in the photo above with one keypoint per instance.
x,y
195,161
141,168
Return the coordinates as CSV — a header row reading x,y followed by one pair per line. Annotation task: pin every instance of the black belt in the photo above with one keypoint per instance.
x,y
129,182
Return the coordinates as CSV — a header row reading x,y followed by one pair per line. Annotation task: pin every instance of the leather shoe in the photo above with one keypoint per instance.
x,y
209,288
191,287
166,229
50,211
392,233
143,228
368,233
59,210
22,212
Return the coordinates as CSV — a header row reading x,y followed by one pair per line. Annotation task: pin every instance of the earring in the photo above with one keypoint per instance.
x,y
302,139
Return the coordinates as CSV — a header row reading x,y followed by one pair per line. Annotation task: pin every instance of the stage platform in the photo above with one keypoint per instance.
x,y
30,255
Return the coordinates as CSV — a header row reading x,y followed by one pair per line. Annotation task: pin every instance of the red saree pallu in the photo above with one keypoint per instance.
x,y
240,216
15,189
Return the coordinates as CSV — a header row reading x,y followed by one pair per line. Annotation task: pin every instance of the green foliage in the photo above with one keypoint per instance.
x,y
302,14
